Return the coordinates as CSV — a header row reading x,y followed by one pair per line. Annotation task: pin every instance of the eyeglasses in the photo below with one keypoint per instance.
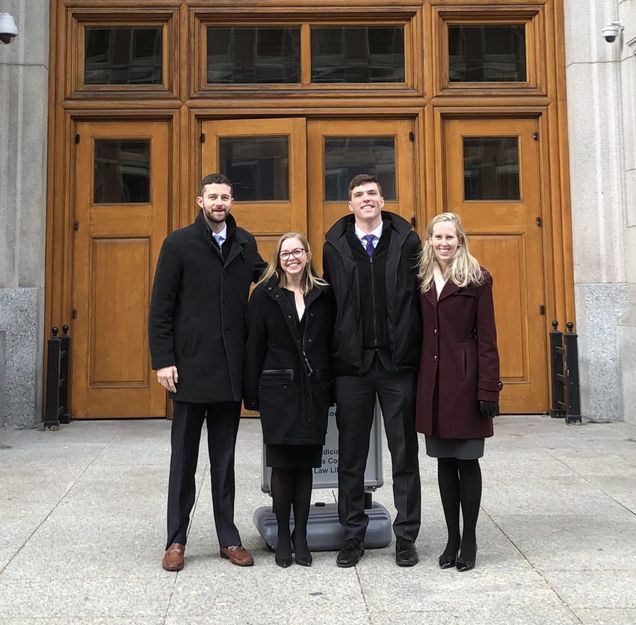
x,y
295,253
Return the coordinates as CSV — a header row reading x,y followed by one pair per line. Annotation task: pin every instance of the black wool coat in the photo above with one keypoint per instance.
x,y
287,375
404,324
198,310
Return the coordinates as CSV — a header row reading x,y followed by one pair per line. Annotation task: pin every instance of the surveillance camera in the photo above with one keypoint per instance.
x,y
611,31
8,29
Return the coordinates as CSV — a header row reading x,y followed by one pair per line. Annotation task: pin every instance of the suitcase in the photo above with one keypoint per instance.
x,y
324,532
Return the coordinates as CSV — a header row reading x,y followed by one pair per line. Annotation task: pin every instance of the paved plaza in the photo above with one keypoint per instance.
x,y
82,520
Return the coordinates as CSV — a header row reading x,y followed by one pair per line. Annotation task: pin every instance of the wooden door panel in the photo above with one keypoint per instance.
x,y
506,239
265,219
323,213
118,354
510,302
116,247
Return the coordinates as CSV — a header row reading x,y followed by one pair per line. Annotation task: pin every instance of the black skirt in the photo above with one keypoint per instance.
x,y
293,456
460,448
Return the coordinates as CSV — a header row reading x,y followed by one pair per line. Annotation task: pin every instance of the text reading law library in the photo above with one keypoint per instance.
x,y
455,105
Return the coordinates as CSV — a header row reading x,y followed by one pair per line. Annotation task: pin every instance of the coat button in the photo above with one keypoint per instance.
x,y
226,331
308,340
288,316
434,358
435,331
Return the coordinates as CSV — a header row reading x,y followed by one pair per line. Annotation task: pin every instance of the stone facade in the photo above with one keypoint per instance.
x,y
24,82
601,86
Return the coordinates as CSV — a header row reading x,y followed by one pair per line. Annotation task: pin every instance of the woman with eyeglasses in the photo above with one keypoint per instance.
x,y
288,379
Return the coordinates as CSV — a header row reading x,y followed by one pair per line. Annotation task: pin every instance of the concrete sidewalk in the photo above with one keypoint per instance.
x,y
82,534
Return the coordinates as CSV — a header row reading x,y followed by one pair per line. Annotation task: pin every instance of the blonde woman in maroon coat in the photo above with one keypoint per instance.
x,y
458,382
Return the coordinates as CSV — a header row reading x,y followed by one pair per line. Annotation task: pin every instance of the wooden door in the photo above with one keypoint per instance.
x,y
266,160
340,149
121,219
493,181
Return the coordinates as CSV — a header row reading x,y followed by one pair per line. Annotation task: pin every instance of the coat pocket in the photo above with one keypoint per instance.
x,y
276,376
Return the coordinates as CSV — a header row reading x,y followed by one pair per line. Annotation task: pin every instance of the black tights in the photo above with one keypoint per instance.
x,y
291,487
460,486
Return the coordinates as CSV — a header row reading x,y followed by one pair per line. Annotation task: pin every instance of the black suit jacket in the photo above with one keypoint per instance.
x,y
198,310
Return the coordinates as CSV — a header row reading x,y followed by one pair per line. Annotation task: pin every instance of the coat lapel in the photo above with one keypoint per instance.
x,y
449,288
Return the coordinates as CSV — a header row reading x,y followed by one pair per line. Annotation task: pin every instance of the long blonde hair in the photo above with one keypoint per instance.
x,y
463,270
308,280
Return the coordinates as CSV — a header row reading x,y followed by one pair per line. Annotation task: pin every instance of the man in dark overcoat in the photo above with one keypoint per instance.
x,y
197,343
370,260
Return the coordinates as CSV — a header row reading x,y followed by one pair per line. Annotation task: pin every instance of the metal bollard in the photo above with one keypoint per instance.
x,y
56,409
557,358
53,366
573,413
564,355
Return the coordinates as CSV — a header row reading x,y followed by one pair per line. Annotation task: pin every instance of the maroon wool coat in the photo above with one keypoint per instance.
x,y
459,355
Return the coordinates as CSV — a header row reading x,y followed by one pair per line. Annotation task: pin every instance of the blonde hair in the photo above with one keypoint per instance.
x,y
308,280
463,270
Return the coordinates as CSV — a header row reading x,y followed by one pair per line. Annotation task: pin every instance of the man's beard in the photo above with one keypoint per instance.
x,y
215,218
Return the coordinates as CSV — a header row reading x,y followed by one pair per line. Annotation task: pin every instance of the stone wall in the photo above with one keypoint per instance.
x,y
600,77
24,75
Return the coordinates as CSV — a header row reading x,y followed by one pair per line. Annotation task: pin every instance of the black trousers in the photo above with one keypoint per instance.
x,y
355,399
222,422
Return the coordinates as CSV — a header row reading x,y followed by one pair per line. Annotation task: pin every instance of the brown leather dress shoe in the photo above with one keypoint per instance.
x,y
174,557
238,555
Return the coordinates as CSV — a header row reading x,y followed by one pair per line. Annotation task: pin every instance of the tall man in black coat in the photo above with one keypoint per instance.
x,y
197,343
370,260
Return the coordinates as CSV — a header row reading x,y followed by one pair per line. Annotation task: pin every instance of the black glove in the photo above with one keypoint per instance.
x,y
488,409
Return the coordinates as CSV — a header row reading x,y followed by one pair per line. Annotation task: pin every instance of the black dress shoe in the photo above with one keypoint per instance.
x,y
466,558
350,553
283,561
447,561
405,553
303,558
283,555
302,555
464,565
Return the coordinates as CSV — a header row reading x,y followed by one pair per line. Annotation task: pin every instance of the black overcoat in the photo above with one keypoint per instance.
x,y
287,375
198,310
404,324
460,357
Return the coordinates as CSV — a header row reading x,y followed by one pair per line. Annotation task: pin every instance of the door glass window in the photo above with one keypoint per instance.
x,y
253,55
123,56
363,54
491,168
121,172
487,53
257,166
345,157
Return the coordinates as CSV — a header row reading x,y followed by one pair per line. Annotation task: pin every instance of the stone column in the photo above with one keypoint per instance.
x,y
599,210
627,322
24,74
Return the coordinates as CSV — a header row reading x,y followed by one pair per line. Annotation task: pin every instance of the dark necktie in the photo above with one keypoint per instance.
x,y
369,238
